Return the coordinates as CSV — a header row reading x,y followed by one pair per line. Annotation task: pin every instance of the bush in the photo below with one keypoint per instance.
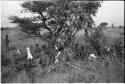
x,y
118,48
98,41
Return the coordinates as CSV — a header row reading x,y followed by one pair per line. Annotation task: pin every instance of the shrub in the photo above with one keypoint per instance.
x,y
118,48
98,41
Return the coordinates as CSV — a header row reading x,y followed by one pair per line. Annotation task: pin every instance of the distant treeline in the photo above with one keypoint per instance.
x,y
11,28
8,28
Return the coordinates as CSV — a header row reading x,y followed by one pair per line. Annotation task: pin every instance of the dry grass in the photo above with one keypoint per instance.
x,y
112,73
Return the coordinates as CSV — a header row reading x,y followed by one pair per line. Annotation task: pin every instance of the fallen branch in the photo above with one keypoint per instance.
x,y
85,67
76,64
73,66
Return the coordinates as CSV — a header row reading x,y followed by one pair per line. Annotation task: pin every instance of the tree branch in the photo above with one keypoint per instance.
x,y
44,23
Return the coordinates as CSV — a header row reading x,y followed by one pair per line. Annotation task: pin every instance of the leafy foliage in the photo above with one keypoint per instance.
x,y
59,17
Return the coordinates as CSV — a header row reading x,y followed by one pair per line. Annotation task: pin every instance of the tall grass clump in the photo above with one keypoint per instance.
x,y
77,76
6,68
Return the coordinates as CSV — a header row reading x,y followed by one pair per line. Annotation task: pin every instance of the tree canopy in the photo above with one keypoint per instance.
x,y
103,24
62,18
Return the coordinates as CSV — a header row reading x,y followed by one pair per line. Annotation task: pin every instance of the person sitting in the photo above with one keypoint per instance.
x,y
29,55
59,50
37,54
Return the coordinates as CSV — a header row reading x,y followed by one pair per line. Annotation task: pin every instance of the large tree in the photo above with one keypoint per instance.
x,y
62,18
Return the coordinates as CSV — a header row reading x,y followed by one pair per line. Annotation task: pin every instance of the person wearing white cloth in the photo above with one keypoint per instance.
x,y
59,49
57,57
92,56
29,53
108,49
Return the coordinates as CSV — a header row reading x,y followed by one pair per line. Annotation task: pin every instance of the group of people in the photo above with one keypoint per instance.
x,y
44,59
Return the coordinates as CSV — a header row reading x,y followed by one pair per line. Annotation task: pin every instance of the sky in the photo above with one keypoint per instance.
x,y
111,12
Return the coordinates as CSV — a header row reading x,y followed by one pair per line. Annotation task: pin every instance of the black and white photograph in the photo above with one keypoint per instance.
x,y
62,41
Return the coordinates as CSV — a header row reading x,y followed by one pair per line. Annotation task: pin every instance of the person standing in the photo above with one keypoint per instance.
x,y
37,51
7,42
37,54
